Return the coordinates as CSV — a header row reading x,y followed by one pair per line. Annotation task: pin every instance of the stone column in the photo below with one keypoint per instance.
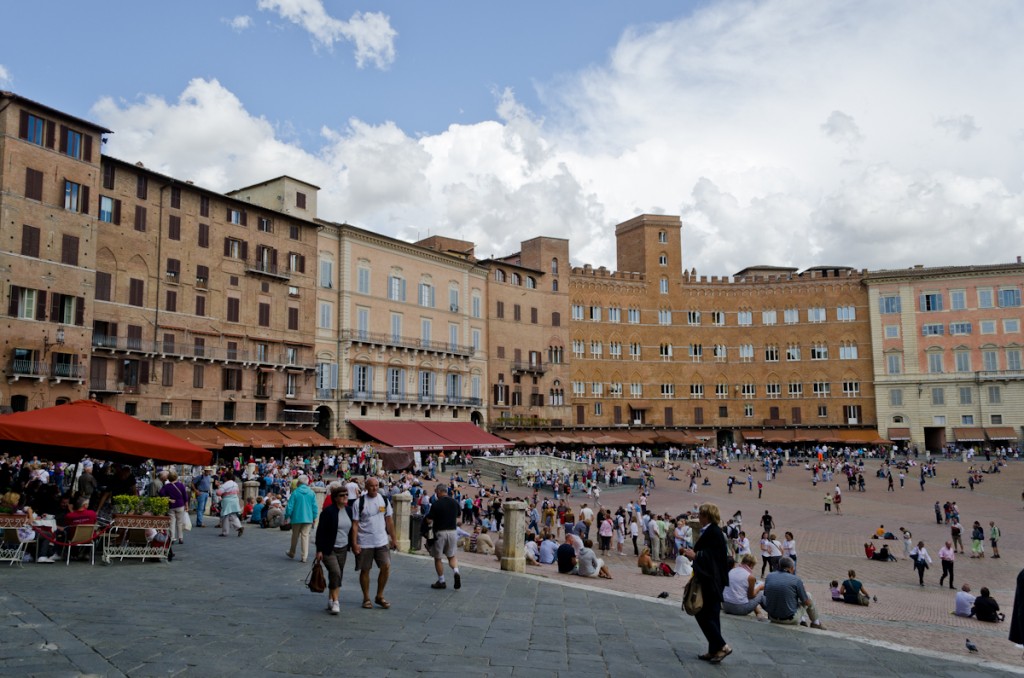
x,y
513,558
250,490
401,504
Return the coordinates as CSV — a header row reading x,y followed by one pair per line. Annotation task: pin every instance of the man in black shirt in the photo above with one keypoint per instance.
x,y
565,556
442,518
767,522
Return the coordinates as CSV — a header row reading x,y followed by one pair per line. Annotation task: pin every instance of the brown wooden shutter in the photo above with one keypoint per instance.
x,y
172,301
245,250
69,250
23,125
102,286
63,142
12,304
51,133
33,184
174,227
80,311
87,150
227,247
41,305
140,218
244,219
273,260
84,201
669,417
55,302
293,318
143,372
117,212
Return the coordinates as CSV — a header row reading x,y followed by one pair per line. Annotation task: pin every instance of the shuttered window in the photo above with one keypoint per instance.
x,y
136,292
102,286
69,250
174,227
33,184
140,218
29,241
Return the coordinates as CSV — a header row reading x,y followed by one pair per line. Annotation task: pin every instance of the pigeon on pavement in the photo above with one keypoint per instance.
x,y
971,647
663,594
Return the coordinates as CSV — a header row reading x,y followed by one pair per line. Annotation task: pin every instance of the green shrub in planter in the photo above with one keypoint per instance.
x,y
127,503
158,506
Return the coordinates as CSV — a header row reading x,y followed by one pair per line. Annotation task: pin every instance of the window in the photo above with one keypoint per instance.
x,y
819,351
938,396
326,315
236,249
396,288
967,419
963,361
693,317
453,300
426,295
76,197
793,353
1013,359
720,353
596,349
596,388
717,318
816,314
966,395
996,419
327,273
745,318
396,327
723,411
933,330
173,270
198,375
721,390
515,279
696,352
475,337
931,301
935,363
771,354
71,142
499,275
103,285
662,260
846,313
748,411
1011,325
293,318
236,217
796,389
577,311
989,360
987,326
696,390
362,280
204,206
665,351
33,184
669,390
663,286
263,314
985,298
773,390
889,304
851,413
768,317
791,316
556,319
29,241
851,389
664,317
33,129
894,363
296,262
172,301
204,235
234,305
746,353
579,348
634,351
595,314
614,314
748,390
662,237
110,210
27,304
847,350
136,292
531,282
958,300
821,389
959,328
499,309
892,331
579,388
995,395
475,306
1008,298
202,276
141,187
615,350
615,389
636,390
633,316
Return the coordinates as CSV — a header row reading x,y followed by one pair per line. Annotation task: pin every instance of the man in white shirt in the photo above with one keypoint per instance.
x,y
373,533
964,601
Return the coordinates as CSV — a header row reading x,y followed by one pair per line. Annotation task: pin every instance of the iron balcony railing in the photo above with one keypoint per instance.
x,y
396,341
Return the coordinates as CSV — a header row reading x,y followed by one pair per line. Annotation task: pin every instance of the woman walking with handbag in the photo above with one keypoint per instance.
x,y
710,569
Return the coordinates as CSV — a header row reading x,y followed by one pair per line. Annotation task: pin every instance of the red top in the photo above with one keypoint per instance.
x,y
83,517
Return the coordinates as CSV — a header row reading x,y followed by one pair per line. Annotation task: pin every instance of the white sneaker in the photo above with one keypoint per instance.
x,y
46,559
335,607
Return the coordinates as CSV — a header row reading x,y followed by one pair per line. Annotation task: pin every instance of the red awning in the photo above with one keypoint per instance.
x,y
1001,433
969,434
205,437
749,434
420,435
307,438
899,433
258,437
780,436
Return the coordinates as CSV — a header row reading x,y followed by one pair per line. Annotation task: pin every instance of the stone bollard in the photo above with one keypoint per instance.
x,y
250,490
513,558
401,505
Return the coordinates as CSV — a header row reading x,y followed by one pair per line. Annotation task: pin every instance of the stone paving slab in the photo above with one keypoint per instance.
x,y
237,607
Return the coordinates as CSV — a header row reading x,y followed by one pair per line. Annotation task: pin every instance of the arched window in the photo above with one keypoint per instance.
x,y
516,279
531,282
554,267
499,275
554,285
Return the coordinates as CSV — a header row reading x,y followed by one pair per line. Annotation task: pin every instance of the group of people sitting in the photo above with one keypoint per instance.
x,y
574,556
851,591
983,607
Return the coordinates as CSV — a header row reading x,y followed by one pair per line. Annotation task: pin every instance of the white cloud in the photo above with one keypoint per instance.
x,y
239,23
370,32
960,126
789,133
5,76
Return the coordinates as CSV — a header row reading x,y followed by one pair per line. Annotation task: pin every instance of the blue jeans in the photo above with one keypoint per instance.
x,y
201,499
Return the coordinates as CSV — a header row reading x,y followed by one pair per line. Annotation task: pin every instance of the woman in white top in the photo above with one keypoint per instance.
x,y
742,595
789,548
921,560
774,553
766,552
742,545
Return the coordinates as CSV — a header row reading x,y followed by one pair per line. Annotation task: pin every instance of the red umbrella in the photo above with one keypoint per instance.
x,y
88,428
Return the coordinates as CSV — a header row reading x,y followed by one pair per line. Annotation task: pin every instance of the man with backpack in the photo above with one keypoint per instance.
x,y
373,535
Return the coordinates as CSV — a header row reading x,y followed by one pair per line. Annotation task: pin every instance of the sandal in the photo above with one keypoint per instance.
x,y
367,605
705,657
383,603
722,654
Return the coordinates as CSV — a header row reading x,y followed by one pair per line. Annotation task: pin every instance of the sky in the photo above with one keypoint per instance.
x,y
864,133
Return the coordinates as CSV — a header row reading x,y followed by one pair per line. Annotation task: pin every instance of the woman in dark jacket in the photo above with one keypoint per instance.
x,y
1017,620
710,567
332,542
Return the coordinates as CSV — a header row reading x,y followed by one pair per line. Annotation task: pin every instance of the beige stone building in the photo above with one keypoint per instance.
x,y
946,349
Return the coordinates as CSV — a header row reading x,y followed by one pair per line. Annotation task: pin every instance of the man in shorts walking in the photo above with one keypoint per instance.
x,y
373,534
443,516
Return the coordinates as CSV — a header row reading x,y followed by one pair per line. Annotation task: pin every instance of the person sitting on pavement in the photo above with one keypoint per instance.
x,y
589,565
786,599
743,595
853,591
833,589
548,547
479,541
963,604
986,609
256,516
565,556
532,550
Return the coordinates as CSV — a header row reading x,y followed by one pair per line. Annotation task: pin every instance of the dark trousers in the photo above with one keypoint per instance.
x,y
947,569
920,566
710,623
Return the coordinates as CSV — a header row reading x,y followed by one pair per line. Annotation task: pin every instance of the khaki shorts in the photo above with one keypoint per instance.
x,y
445,543
367,557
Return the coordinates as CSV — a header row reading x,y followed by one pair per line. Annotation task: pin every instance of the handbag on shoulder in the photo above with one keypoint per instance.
x,y
693,597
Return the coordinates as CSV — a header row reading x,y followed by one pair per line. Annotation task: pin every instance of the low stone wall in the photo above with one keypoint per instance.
x,y
529,464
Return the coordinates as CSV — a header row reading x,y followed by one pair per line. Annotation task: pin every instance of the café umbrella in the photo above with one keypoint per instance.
x,y
86,428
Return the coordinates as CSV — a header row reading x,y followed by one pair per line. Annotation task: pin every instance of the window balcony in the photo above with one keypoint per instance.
x,y
27,369
409,343
257,267
529,367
